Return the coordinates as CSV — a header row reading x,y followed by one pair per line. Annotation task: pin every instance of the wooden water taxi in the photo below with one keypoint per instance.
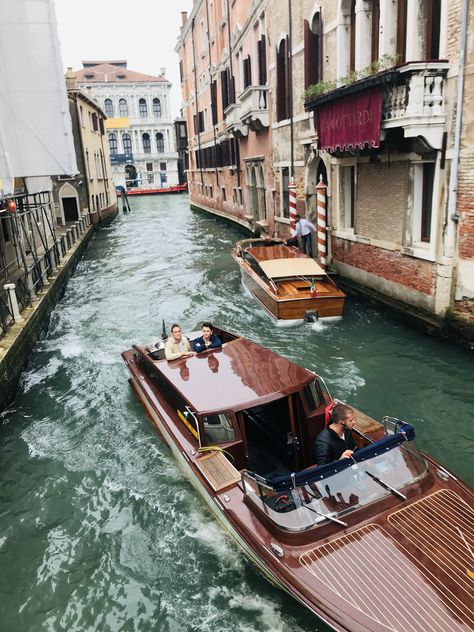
x,y
382,541
288,284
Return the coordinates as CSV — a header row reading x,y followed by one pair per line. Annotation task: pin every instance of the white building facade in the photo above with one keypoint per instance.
x,y
139,123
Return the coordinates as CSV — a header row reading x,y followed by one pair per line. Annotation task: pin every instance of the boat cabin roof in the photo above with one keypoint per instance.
x,y
280,261
236,376
286,268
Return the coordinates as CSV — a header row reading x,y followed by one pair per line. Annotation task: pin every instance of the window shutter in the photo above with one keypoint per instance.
x,y
262,61
196,126
247,72
224,96
307,54
214,102
231,88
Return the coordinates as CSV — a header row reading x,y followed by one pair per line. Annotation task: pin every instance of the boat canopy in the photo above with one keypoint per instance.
x,y
318,473
293,267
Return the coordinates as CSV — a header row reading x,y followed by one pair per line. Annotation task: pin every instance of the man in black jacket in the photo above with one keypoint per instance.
x,y
336,441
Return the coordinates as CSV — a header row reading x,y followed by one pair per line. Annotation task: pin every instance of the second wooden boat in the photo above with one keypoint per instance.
x,y
289,285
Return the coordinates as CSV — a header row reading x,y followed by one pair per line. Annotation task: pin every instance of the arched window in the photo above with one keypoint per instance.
x,y
282,101
127,144
313,50
123,107
156,108
160,143
142,108
113,144
109,107
146,143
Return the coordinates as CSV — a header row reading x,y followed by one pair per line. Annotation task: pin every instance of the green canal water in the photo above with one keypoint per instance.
x,y
98,529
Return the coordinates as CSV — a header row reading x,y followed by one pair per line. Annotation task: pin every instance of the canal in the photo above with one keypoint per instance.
x,y
98,530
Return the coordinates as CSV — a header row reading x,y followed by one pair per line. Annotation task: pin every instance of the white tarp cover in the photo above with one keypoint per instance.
x,y
35,125
294,267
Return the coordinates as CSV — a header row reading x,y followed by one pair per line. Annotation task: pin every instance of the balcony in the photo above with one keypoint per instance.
x,y
254,108
417,103
413,98
233,121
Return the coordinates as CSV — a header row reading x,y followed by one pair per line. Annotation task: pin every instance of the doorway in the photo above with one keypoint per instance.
x,y
70,208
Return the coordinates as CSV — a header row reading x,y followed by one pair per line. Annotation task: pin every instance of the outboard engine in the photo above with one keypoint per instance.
x,y
310,316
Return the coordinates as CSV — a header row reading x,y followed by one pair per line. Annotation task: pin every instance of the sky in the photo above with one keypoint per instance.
x,y
144,32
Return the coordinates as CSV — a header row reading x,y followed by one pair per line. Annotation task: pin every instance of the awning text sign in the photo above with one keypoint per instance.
x,y
352,122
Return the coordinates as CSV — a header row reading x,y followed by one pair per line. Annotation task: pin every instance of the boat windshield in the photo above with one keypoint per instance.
x,y
330,497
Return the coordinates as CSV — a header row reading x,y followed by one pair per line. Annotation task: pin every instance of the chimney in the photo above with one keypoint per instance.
x,y
184,18
162,71
70,76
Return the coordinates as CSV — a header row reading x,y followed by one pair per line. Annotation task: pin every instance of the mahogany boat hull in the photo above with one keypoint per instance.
x,y
328,306
398,566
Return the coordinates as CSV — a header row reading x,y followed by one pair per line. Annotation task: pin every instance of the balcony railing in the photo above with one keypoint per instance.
x,y
254,112
413,98
417,102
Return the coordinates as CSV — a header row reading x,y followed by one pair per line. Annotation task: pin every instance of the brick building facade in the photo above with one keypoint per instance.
x,y
399,202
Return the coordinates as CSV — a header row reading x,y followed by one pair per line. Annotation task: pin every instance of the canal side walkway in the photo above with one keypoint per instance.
x,y
30,324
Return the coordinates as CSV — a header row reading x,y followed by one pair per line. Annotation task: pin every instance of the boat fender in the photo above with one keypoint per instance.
x,y
311,316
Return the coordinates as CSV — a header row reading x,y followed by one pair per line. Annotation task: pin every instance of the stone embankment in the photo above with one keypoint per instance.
x,y
29,325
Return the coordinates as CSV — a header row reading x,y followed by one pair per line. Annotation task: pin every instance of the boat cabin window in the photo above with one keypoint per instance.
x,y
313,395
218,428
253,263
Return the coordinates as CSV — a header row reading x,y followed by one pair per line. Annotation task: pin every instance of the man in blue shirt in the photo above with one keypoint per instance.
x,y
303,229
208,340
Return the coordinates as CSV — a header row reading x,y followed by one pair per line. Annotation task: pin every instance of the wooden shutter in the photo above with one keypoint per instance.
x,y
262,61
224,91
307,54
214,102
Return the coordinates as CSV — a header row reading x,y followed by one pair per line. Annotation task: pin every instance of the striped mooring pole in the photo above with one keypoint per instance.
x,y
322,234
292,195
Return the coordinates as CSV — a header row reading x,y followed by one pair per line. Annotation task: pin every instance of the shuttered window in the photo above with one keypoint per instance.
x,y
313,51
247,68
262,61
283,101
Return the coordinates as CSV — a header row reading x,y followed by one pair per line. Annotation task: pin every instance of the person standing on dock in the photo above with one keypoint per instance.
x,y
177,346
303,230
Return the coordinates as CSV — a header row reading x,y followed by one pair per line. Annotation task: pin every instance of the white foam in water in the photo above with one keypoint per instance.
x,y
319,326
212,535
346,379
71,349
33,378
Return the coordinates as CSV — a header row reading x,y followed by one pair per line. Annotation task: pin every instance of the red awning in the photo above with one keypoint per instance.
x,y
350,123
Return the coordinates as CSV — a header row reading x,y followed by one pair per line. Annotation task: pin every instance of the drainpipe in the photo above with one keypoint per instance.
x,y
196,100
290,89
453,184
